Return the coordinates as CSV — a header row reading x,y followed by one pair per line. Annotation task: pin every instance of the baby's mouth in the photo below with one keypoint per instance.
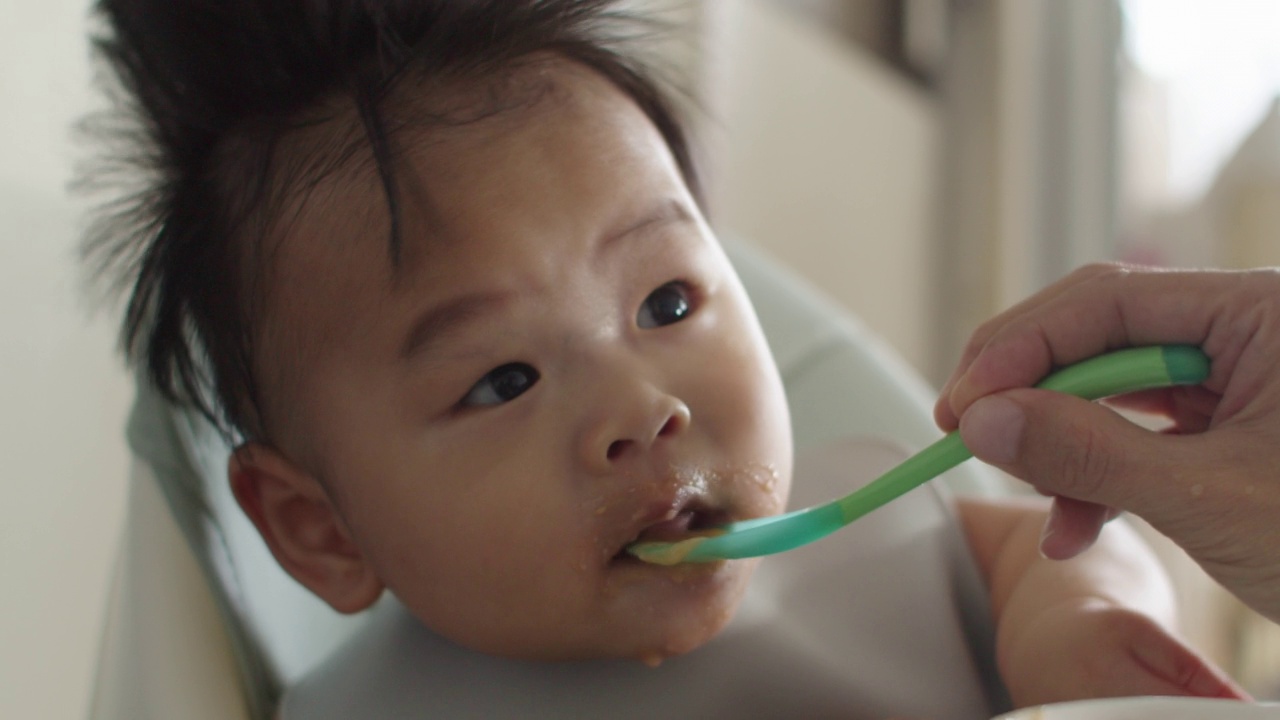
x,y
680,524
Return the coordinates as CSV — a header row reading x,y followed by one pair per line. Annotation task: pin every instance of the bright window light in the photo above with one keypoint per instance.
x,y
1219,61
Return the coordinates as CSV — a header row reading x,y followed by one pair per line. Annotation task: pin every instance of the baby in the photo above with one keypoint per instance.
x,y
443,267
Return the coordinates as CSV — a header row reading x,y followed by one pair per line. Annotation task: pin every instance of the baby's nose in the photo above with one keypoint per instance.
x,y
676,420
637,429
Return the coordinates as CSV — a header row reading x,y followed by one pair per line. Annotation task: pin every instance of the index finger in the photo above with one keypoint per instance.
x,y
1119,308
982,335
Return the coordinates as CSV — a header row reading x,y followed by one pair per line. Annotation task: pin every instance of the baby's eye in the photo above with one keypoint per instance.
x,y
664,306
502,384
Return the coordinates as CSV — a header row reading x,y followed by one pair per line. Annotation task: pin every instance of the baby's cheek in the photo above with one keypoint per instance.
x,y
757,487
761,428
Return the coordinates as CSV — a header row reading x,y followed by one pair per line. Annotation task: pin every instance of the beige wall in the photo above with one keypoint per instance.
x,y
814,149
830,162
62,393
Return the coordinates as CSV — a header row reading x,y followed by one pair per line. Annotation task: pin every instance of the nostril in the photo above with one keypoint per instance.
x,y
674,424
671,426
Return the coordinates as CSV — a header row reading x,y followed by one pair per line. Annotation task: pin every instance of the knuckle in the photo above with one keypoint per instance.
x,y
1106,277
1268,278
1095,270
982,335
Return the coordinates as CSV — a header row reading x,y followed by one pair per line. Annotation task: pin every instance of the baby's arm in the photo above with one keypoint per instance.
x,y
1100,625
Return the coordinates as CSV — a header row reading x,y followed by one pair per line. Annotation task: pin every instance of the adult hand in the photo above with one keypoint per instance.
x,y
1211,483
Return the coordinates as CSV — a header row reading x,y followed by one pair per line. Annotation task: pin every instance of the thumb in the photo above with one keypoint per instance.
x,y
1071,447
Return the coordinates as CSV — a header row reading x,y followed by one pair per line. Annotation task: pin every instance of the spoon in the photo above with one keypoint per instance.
x,y
1114,373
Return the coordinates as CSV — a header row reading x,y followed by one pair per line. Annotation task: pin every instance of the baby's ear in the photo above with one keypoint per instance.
x,y
302,528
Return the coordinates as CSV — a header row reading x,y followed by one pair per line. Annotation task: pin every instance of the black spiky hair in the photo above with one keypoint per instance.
x,y
206,92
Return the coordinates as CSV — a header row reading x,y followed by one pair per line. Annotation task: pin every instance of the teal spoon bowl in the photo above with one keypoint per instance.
x,y
1114,373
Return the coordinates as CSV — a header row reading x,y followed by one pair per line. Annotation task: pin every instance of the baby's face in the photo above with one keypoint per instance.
x,y
565,362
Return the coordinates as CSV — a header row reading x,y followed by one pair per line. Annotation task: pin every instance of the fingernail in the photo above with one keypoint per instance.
x,y
992,429
1073,526
1054,545
1046,534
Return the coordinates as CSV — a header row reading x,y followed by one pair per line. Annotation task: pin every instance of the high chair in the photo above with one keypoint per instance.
x,y
202,623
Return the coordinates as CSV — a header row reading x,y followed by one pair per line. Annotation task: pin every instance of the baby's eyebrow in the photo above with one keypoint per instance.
x,y
668,211
440,319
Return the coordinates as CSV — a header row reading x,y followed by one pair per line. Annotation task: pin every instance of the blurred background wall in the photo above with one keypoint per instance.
x,y
924,162
62,391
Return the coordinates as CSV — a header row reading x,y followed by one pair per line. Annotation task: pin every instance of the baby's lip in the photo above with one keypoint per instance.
x,y
676,521
672,529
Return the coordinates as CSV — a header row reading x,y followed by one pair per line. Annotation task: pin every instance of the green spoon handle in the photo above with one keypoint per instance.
x,y
1114,373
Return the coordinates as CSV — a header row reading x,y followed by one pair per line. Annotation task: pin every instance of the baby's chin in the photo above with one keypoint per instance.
x,y
668,630
686,640
632,625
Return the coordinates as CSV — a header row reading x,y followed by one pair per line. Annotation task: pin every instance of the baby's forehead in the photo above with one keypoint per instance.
x,y
431,127
440,133
332,141
455,178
